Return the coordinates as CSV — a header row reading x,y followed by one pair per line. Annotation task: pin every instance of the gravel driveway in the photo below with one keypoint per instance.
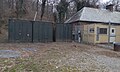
x,y
64,57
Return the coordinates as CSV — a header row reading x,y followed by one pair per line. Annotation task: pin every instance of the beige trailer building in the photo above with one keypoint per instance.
x,y
96,25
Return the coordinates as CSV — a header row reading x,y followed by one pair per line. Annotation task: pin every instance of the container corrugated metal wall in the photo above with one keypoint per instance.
x,y
63,32
37,31
26,31
20,31
42,32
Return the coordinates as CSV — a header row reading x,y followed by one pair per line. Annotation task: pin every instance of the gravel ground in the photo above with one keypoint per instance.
x,y
9,54
63,57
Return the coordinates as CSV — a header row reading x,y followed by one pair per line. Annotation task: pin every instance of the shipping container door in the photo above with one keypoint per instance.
x,y
48,32
42,31
11,31
17,30
60,32
63,32
35,31
26,31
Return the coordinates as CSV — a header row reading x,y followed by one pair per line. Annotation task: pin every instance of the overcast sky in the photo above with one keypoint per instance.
x,y
51,1
104,1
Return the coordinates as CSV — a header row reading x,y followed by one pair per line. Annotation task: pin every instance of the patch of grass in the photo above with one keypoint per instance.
x,y
68,69
48,67
54,54
25,68
29,65
23,65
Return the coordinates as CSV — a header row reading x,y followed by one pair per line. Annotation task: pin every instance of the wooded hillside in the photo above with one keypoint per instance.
x,y
47,10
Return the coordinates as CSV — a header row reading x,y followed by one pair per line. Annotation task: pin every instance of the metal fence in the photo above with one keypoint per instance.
x,y
37,31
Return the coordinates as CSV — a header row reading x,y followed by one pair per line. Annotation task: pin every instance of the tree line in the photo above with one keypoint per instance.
x,y
47,10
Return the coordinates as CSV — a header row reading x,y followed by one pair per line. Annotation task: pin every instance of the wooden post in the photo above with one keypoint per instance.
x,y
109,33
87,34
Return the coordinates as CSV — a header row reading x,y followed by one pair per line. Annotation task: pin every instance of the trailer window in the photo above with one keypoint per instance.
x,y
91,30
103,30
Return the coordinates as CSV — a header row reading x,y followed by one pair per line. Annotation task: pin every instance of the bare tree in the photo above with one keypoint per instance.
x,y
62,9
116,4
43,8
20,8
79,4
